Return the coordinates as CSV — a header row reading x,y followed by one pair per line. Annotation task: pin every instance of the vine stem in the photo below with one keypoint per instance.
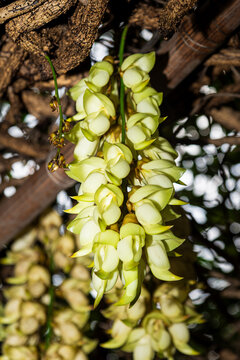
x,y
49,329
122,87
122,108
57,97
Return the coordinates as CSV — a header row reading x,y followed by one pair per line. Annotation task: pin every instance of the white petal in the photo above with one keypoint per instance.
x,y
136,134
124,249
93,182
157,256
132,77
148,214
88,232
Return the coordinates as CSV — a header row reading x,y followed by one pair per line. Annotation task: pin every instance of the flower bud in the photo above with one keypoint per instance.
x,y
78,89
109,198
12,311
100,73
102,286
71,290
28,325
135,79
145,62
80,356
20,352
120,333
132,239
80,272
32,309
143,349
95,125
170,307
85,148
38,280
106,256
118,158
24,241
69,332
17,292
179,332
160,149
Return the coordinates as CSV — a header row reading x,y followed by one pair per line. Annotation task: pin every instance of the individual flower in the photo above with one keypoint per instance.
x,y
72,291
87,228
180,337
109,198
101,286
20,352
148,201
135,79
129,248
118,158
160,149
144,62
140,128
93,103
106,256
119,333
100,73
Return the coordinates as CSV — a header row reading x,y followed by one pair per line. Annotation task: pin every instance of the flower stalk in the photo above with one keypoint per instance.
x,y
61,119
122,87
49,329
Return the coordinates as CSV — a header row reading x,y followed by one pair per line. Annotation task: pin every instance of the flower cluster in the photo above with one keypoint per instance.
x,y
124,205
24,313
160,332
28,297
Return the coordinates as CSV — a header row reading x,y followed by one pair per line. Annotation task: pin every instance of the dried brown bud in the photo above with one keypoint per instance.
x,y
53,104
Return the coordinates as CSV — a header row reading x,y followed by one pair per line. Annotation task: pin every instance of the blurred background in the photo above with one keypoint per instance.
x,y
198,70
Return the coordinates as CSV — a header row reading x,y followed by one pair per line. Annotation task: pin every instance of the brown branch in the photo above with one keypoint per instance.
x,y
6,164
63,80
38,106
32,198
82,31
229,57
231,140
192,44
165,20
12,182
23,147
18,8
222,96
11,57
14,115
38,17
234,281
227,117
231,293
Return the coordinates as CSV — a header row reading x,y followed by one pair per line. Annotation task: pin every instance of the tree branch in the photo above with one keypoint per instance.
x,y
18,8
21,146
12,182
165,20
231,140
38,17
227,117
82,31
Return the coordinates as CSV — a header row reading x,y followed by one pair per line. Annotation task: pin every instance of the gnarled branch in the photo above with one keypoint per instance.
x,y
165,20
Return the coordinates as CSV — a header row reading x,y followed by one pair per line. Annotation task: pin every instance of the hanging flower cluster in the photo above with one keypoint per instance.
x,y
126,195
161,331
28,297
24,314
126,173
